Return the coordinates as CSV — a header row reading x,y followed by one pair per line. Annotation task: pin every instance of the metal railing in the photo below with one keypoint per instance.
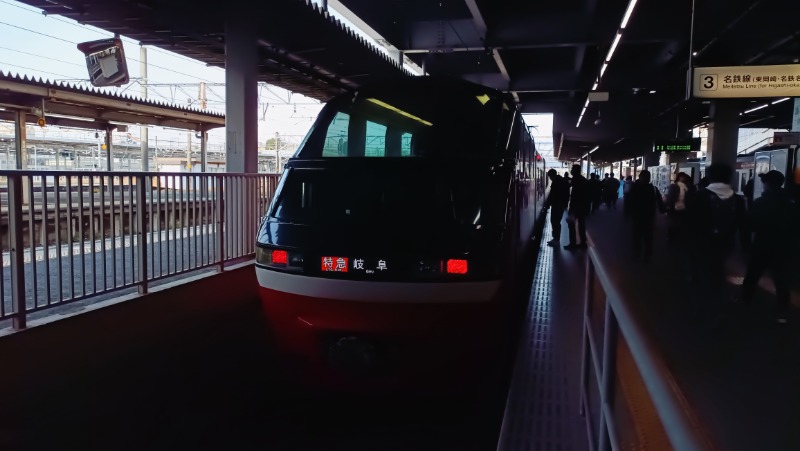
x,y
70,236
629,397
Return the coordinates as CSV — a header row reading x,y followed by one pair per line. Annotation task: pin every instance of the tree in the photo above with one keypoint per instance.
x,y
271,144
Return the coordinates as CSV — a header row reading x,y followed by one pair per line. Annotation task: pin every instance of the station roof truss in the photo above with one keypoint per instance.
x,y
548,54
91,108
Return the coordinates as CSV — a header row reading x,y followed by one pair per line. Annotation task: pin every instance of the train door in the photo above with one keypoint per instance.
x,y
744,172
761,167
767,161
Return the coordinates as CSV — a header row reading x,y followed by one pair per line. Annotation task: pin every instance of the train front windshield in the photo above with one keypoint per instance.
x,y
410,122
392,194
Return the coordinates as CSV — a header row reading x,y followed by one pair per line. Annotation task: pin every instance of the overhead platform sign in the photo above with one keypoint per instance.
x,y
677,145
747,81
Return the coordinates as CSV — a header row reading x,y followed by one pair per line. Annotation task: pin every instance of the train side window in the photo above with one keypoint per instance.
x,y
336,137
375,145
405,145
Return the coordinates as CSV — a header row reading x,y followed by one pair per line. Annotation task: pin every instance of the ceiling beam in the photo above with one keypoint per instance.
x,y
480,24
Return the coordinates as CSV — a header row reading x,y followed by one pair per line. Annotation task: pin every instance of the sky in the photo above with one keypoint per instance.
x,y
43,46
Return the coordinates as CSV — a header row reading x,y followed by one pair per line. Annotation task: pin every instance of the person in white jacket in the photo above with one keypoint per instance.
x,y
677,194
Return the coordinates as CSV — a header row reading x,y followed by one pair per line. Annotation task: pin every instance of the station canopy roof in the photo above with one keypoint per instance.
x,y
76,106
548,53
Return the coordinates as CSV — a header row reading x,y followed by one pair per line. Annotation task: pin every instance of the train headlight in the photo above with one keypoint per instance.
x,y
279,258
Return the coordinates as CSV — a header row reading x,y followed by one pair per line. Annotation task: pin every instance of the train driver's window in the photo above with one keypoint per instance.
x,y
336,138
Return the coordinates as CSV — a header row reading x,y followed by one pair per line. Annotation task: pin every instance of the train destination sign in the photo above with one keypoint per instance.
x,y
747,81
677,145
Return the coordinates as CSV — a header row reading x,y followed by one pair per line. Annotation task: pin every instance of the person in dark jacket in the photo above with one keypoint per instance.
x,y
626,190
595,192
769,249
717,218
645,202
557,202
579,206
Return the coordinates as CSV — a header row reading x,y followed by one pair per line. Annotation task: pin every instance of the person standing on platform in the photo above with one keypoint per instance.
x,y
579,206
645,202
557,202
768,220
676,207
611,191
716,215
595,192
626,190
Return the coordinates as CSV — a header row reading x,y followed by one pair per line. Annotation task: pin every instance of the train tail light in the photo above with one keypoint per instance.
x,y
279,258
457,266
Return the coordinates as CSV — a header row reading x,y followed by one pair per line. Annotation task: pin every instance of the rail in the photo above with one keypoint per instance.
x,y
71,236
629,398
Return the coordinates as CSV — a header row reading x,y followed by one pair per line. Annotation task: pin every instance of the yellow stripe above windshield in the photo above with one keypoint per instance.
x,y
399,111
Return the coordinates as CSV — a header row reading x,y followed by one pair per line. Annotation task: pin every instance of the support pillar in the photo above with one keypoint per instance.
x,y
203,149
723,132
241,91
143,131
109,150
651,158
21,148
588,165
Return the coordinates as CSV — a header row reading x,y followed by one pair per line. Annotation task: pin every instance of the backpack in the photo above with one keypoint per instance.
x,y
723,215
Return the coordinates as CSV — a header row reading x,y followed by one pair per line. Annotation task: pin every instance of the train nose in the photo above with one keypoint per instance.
x,y
352,354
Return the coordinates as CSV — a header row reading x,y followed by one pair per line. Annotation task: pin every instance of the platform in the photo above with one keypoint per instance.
x,y
738,368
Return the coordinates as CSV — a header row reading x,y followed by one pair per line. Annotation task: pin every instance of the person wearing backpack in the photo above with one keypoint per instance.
x,y
718,219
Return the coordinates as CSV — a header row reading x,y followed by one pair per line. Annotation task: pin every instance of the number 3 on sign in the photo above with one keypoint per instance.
x,y
708,82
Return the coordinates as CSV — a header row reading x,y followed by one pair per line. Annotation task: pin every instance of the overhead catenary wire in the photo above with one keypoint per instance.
x,y
30,68
126,57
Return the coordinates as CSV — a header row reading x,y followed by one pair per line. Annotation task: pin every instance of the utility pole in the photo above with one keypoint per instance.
x,y
202,95
143,130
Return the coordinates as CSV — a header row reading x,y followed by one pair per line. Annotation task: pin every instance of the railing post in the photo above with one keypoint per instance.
x,y
587,301
17,251
610,337
220,223
141,230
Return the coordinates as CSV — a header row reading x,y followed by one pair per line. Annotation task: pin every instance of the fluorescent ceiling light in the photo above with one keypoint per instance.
x,y
781,100
74,118
613,46
590,152
603,69
628,13
756,108
595,86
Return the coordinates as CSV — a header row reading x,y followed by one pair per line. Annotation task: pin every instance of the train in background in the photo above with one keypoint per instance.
x,y
783,157
391,251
